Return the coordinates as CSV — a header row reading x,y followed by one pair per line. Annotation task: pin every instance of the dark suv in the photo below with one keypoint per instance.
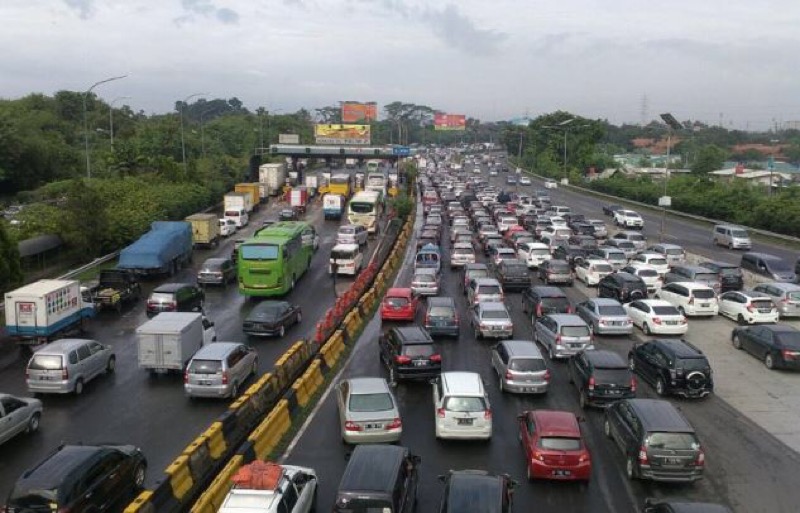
x,y
672,366
622,286
513,275
473,490
175,297
730,275
601,378
573,254
682,506
408,352
441,316
656,439
80,478
541,300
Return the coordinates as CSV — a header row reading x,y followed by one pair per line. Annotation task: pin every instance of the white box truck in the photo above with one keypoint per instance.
x,y
237,207
167,341
45,310
273,176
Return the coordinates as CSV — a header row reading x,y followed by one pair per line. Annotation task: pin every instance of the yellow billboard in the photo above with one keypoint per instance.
x,y
342,134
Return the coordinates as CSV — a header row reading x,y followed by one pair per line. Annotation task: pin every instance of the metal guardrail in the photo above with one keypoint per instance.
x,y
676,213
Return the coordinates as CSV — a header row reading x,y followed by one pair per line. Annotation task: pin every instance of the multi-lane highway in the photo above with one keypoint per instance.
x,y
747,468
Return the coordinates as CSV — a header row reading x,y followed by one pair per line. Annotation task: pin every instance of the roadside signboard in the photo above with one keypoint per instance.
x,y
342,134
449,121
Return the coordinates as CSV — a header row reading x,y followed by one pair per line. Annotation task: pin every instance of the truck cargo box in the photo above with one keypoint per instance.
x,y
168,341
205,229
162,250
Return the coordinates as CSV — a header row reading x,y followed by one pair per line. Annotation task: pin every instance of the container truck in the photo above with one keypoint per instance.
x,y
333,206
254,190
272,175
45,310
205,229
237,207
298,198
167,341
163,250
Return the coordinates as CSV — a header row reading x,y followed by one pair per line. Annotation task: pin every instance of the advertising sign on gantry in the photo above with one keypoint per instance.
x,y
342,134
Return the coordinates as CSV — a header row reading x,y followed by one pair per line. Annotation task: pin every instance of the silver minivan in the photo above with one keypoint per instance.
x,y
731,236
66,365
786,297
520,367
219,369
563,335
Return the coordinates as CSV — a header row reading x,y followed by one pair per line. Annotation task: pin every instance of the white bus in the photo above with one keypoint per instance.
x,y
377,181
365,208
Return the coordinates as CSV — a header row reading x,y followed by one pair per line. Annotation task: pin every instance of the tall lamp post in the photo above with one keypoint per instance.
x,y
183,141
665,201
111,118
202,132
564,126
86,121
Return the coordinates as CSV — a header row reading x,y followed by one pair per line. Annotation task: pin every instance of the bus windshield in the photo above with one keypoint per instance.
x,y
362,208
259,251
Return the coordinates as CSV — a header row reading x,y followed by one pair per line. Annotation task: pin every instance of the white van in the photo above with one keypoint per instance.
x,y
238,216
732,237
347,259
461,406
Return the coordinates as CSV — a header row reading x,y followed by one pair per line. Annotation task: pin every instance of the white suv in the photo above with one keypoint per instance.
x,y
461,406
533,254
628,219
690,298
648,273
593,270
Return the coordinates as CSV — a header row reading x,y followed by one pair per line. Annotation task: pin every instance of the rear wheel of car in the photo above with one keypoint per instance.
x,y
33,423
740,319
737,343
646,329
630,468
78,387
661,388
111,366
234,390
138,475
769,361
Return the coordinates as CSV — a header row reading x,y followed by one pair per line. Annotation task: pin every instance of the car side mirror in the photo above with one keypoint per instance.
x,y
521,416
581,419
347,456
442,478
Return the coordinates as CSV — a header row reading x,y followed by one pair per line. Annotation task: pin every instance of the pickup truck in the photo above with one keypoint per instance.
x,y
263,487
116,287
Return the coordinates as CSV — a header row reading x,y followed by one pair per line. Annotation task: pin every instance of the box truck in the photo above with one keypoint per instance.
x,y
333,206
237,207
273,175
45,310
167,341
253,189
163,250
205,229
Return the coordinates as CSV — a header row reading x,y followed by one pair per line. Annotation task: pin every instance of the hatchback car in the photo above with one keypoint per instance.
x,y
553,446
66,365
409,353
672,367
601,378
491,319
270,318
628,219
399,304
533,254
656,316
18,415
748,307
637,238
778,345
605,316
466,490
542,300
368,411
690,298
562,335
655,260
218,370
425,282
473,271
441,316
592,270
556,271
463,253
175,297
647,273
520,367
786,297
461,406
217,271
624,287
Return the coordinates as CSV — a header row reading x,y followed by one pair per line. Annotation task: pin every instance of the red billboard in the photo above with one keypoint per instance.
x,y
449,121
359,113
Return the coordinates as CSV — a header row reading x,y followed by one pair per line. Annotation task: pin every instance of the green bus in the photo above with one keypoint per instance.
x,y
276,257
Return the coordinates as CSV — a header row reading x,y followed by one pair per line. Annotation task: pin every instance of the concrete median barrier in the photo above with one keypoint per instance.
x,y
216,442
269,433
180,477
211,499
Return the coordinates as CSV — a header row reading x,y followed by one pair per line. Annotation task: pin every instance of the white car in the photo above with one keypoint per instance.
x,y
18,415
748,307
533,254
656,317
227,227
503,254
293,491
463,253
654,260
691,299
507,222
628,219
524,180
648,273
550,184
558,222
600,228
592,270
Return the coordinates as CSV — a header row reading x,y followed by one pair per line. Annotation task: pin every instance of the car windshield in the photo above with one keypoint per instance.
x,y
527,365
611,310
704,294
575,331
346,230
790,339
205,366
730,271
361,208
370,402
540,252
45,362
494,314
674,251
740,234
463,251
477,273
259,251
465,404
673,441
441,312
665,310
160,297
617,256
418,350
691,364
618,375
559,443
779,266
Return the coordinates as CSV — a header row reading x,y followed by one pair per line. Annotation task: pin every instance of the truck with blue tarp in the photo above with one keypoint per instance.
x,y
45,310
163,250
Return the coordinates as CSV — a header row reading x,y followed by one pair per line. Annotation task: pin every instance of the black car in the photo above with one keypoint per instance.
x,y
556,271
573,219
476,490
541,300
682,506
624,287
573,254
601,378
441,316
777,345
610,209
271,318
673,367
287,214
408,352
175,297
513,275
730,275
80,478
378,477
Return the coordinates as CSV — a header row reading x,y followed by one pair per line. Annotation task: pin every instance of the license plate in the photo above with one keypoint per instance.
x,y
464,422
672,461
764,310
613,392
671,323
576,346
373,426
45,378
705,305
205,383
562,473
420,363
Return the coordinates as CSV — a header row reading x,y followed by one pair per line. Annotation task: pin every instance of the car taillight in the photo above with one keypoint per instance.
x,y
396,423
440,413
750,308
436,358
427,319
591,383
643,455
487,414
584,457
558,340
789,355
657,320
351,426
538,310
633,384
538,456
225,378
64,374
171,305
547,375
691,300
402,359
456,318
683,320
701,459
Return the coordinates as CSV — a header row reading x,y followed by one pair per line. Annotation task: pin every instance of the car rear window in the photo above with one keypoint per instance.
x,y
464,404
611,310
478,273
418,350
674,251
527,365
730,271
463,251
558,443
616,256
160,297
665,310
205,366
489,289
647,273
439,312
703,294
762,303
370,402
556,304
396,301
575,331
558,266
602,268
494,314
674,441
705,277
45,362
657,261
617,376
424,278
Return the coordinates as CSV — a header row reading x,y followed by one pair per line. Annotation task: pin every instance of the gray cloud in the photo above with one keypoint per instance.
x,y
228,16
460,32
205,8
85,8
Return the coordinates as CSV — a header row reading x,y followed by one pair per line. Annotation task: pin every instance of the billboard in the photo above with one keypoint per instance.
x,y
288,139
342,134
357,112
449,121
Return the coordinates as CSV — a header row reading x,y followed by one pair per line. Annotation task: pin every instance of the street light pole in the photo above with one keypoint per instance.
x,y
86,121
111,118
666,179
183,141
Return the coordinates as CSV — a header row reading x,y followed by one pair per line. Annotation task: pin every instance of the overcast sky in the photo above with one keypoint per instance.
x,y
710,60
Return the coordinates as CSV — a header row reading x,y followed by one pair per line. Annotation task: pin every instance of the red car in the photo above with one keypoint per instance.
x,y
554,446
399,305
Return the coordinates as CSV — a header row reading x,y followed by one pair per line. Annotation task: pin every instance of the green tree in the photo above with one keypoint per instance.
x,y
10,270
84,223
709,158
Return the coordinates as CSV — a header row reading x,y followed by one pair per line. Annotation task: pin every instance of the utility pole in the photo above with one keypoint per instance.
x,y
665,201
183,141
86,122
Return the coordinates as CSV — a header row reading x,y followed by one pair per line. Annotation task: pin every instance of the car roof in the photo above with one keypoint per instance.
x,y
626,276
556,423
263,306
660,415
605,359
345,246
476,490
522,348
780,328
604,301
372,468
720,264
548,291
171,287
367,385
463,382
492,305
426,270
486,281
655,302
567,319
56,471
690,285
398,292
215,351
753,294
678,347
216,261
62,345
413,335
441,301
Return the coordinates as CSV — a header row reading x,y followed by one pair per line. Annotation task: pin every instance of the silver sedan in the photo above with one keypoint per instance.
x,y
18,415
368,411
605,316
